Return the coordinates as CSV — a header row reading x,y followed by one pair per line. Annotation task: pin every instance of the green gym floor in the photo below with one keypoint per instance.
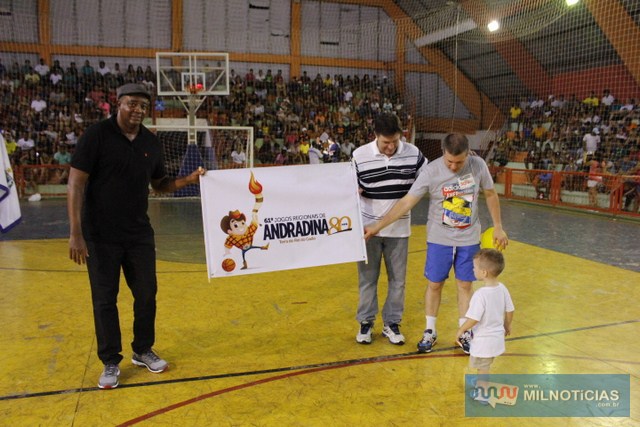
x,y
279,349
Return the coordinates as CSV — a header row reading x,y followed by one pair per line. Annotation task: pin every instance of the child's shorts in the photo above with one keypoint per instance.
x,y
483,363
441,258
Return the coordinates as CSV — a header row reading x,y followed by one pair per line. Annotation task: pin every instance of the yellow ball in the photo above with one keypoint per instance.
x,y
486,239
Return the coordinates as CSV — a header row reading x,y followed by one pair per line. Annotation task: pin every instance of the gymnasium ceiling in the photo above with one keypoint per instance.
x,y
561,40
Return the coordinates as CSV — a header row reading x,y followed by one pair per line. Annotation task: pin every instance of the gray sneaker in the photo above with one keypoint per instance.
x,y
109,377
150,360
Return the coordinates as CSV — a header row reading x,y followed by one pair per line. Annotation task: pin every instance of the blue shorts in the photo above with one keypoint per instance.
x,y
441,258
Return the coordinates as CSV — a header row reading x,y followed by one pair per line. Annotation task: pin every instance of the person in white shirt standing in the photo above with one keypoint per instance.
x,y
490,315
386,168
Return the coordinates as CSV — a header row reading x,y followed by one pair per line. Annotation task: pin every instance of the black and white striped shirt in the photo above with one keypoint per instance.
x,y
384,180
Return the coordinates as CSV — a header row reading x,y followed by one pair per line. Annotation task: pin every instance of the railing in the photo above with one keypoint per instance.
x,y
612,194
48,180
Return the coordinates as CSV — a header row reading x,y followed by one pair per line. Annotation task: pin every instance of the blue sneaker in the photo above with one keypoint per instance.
x,y
465,341
427,342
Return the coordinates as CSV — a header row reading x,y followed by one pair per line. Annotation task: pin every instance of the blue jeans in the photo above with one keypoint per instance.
x,y
394,251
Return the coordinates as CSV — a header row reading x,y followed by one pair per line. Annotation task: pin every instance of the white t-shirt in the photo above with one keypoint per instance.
x,y
591,142
238,158
488,306
608,100
39,105
42,69
26,144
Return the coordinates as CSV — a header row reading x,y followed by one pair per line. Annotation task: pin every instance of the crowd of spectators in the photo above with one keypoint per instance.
x,y
333,113
44,110
598,135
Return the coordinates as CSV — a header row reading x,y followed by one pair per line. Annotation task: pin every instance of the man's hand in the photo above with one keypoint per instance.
x,y
194,178
368,233
500,239
78,251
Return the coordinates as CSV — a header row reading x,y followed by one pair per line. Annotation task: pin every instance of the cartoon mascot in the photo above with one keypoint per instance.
x,y
235,225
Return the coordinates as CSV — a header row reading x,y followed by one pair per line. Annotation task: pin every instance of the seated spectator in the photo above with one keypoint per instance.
x,y
103,69
56,77
10,143
238,156
38,104
104,107
42,69
87,73
282,158
31,78
26,143
57,96
346,148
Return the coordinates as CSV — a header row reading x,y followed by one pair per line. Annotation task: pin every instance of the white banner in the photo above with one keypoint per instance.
x,y
10,214
280,218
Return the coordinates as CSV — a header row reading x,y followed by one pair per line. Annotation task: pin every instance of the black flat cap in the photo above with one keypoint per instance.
x,y
134,89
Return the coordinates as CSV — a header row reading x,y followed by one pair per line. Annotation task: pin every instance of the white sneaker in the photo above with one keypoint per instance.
x,y
392,331
364,334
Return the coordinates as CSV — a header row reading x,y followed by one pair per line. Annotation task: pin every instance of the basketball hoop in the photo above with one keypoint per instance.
x,y
196,89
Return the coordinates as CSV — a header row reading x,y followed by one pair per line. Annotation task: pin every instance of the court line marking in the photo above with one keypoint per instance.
x,y
334,365
330,365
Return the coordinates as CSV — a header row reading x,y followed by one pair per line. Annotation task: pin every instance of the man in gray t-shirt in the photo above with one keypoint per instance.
x,y
454,182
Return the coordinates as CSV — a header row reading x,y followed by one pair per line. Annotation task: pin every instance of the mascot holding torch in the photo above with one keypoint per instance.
x,y
239,233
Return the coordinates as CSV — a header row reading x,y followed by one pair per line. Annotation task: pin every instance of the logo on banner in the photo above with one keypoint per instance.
x,y
304,227
240,234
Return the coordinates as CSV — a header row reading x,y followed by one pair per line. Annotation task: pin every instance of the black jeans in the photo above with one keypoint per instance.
x,y
137,260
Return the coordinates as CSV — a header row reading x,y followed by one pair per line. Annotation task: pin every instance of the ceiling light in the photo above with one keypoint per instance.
x,y
493,25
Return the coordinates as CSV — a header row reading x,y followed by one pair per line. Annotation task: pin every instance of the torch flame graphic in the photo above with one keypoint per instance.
x,y
254,186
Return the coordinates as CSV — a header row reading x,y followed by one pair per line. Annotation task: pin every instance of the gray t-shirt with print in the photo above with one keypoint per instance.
x,y
453,200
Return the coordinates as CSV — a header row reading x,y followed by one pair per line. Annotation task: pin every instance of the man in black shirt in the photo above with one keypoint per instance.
x,y
114,162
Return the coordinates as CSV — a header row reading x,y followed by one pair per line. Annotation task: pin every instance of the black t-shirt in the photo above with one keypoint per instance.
x,y
120,171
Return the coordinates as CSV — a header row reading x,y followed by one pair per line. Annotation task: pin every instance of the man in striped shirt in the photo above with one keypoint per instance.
x,y
386,169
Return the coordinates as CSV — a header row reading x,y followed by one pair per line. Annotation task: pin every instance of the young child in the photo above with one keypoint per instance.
x,y
490,313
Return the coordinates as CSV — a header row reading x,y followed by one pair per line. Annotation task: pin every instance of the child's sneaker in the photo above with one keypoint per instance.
x,y
465,341
392,331
364,334
428,341
150,360
109,377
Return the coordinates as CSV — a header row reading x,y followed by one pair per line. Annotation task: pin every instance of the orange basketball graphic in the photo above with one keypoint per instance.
x,y
228,264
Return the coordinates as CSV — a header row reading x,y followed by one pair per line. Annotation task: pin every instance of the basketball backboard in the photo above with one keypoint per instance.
x,y
190,73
